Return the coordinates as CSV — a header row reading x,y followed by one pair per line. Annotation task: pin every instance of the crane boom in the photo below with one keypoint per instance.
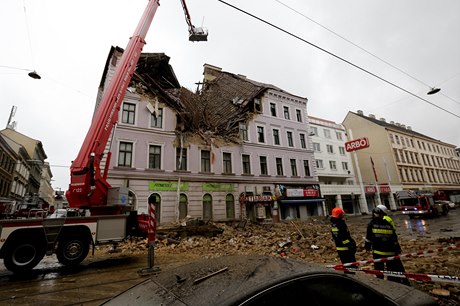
x,y
87,187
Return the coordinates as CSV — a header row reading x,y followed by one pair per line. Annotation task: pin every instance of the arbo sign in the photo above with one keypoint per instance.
x,y
357,144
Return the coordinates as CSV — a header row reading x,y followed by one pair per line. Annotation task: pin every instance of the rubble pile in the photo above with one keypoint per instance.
x,y
301,240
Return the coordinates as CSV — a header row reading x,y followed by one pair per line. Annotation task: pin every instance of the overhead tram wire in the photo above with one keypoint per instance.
x,y
368,52
357,46
338,57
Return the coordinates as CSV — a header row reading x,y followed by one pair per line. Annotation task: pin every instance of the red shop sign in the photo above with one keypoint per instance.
x,y
310,192
357,144
370,189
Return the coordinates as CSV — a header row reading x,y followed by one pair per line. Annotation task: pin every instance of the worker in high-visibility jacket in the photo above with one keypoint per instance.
x,y
382,240
344,243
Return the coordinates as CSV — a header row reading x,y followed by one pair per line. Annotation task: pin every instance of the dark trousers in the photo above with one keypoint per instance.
x,y
395,265
346,256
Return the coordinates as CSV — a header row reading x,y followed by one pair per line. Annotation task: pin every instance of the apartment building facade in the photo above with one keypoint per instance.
x,y
237,149
28,177
399,158
334,167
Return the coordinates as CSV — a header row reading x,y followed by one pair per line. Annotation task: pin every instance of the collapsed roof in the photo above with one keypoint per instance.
x,y
216,111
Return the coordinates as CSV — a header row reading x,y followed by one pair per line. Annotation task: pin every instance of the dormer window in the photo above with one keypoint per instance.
x,y
257,105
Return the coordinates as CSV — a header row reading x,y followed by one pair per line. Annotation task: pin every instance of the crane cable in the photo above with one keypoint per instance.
x,y
336,56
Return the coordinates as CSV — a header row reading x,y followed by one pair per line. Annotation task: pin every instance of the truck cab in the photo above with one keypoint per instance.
x,y
420,203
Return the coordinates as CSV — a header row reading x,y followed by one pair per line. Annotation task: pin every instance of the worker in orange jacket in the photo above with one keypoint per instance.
x,y
344,243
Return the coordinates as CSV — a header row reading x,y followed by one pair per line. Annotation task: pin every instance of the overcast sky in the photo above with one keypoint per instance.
x,y
413,44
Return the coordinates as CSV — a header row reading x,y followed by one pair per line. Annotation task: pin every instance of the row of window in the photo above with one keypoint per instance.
x,y
125,159
404,141
207,206
128,115
156,121
286,112
427,160
6,162
329,148
433,176
276,136
332,165
327,133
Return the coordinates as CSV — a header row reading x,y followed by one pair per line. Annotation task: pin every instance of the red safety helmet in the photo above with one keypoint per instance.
x,y
338,212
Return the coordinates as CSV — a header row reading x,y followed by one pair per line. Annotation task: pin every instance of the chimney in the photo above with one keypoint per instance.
x,y
392,122
403,126
360,112
398,124
383,119
372,116
211,72
409,128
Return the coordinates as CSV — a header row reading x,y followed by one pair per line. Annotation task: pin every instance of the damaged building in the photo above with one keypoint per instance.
x,y
234,149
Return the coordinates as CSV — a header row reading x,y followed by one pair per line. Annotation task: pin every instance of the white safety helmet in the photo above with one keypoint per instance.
x,y
382,208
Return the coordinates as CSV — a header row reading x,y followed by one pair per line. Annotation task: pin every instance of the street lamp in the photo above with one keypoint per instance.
x,y
34,75
433,91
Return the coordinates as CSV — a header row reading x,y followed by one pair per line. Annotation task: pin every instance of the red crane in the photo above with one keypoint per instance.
x,y
88,188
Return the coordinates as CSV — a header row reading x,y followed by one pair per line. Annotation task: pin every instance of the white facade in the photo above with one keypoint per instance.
x,y
220,179
334,167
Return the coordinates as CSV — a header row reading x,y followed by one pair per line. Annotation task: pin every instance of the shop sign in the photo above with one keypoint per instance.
x,y
167,186
370,189
228,187
307,192
385,189
258,198
357,144
310,192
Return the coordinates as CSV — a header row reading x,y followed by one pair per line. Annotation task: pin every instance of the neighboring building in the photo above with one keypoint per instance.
x,y
236,149
20,172
46,191
400,158
7,162
36,163
334,167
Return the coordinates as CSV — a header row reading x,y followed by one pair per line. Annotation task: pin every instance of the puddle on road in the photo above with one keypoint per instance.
x,y
416,227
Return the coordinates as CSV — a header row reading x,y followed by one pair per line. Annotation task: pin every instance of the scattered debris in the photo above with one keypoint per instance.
x,y
440,291
199,280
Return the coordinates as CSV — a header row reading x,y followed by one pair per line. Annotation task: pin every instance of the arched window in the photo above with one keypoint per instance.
x,y
230,206
183,203
157,207
207,207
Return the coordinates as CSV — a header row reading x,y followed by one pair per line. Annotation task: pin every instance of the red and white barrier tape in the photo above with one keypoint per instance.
x,y
415,276
416,254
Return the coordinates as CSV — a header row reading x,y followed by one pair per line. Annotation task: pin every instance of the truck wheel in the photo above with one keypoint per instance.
x,y
23,255
445,210
72,250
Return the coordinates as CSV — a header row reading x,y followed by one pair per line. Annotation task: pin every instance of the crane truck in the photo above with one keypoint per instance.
x,y
97,213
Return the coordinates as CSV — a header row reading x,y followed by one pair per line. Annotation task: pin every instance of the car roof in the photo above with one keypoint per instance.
x,y
241,279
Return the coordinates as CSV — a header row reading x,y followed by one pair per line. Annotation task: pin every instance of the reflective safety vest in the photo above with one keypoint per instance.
x,y
341,236
382,238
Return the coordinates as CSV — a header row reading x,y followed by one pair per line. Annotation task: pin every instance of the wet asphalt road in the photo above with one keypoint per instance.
x,y
98,279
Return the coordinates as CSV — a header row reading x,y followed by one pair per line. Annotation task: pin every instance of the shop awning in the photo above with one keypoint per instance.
x,y
300,201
